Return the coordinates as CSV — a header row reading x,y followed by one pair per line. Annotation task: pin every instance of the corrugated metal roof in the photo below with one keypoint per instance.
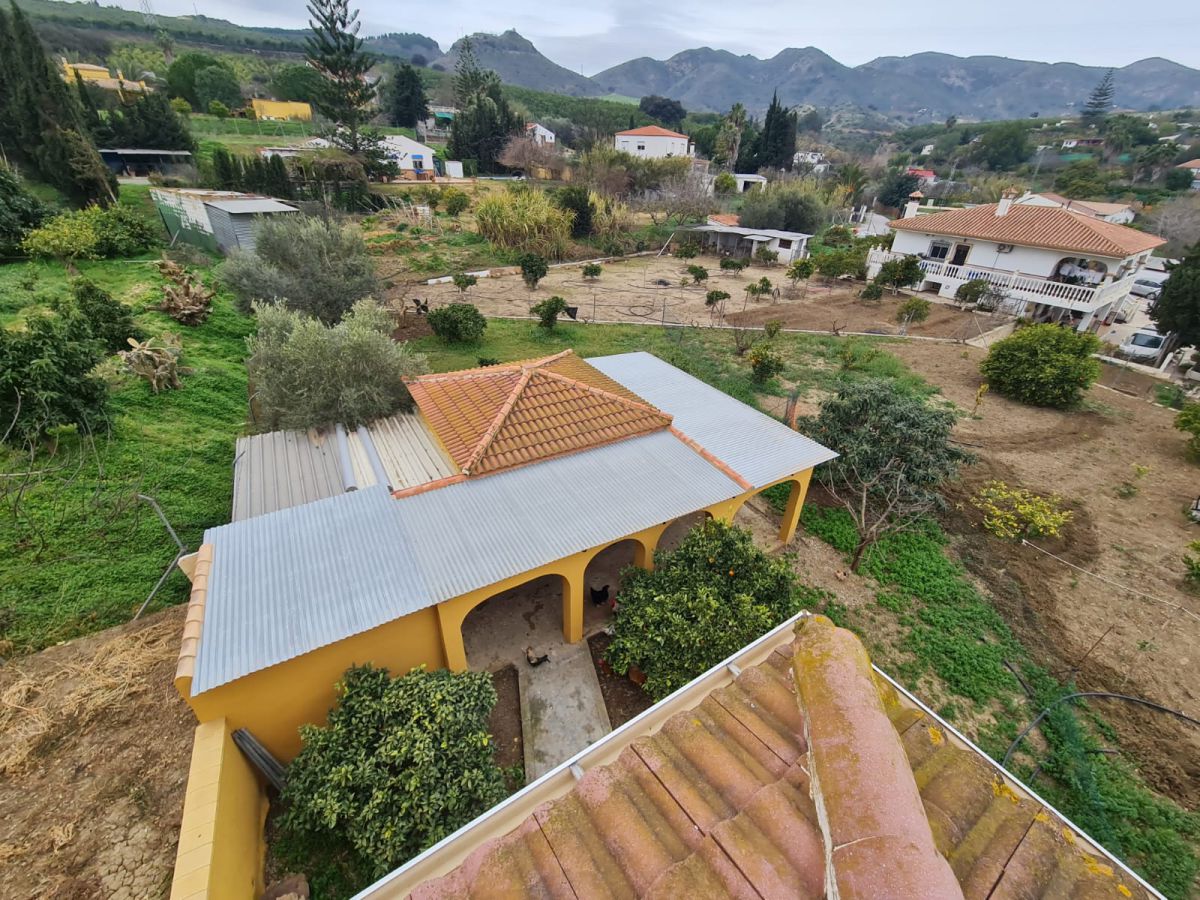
x,y
754,445
289,582
251,206
721,228
283,469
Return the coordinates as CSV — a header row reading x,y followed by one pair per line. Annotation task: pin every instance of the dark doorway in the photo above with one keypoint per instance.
x,y
960,254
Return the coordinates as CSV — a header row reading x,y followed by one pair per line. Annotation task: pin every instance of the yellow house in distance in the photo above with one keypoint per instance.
x,y
376,544
290,110
98,76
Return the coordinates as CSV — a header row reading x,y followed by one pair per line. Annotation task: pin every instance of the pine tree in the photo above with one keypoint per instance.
x,y
407,103
1095,111
335,50
484,121
1177,308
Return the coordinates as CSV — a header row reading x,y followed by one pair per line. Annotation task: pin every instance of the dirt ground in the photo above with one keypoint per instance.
x,y
505,720
622,698
1131,626
647,289
94,751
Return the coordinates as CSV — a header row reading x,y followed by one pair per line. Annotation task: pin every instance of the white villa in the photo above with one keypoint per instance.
x,y
539,134
1053,264
1117,213
653,142
409,154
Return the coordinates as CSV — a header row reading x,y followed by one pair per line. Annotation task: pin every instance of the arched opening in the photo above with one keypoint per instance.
x,y
674,534
602,582
1080,270
496,632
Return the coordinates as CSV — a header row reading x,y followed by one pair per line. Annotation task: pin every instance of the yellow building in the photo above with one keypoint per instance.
x,y
281,109
98,76
375,545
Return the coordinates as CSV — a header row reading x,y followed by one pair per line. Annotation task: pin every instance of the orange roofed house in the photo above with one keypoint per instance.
x,y
1051,263
374,544
653,142
791,770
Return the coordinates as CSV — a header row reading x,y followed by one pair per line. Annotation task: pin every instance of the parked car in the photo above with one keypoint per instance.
x,y
1144,345
1144,287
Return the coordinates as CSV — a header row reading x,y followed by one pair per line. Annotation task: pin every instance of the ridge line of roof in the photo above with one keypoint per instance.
x,y
608,395
489,371
709,457
494,426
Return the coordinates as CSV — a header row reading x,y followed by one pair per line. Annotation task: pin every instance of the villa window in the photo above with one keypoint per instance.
x,y
641,146
939,250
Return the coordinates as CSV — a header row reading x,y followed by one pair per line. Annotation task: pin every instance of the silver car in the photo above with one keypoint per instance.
x,y
1144,287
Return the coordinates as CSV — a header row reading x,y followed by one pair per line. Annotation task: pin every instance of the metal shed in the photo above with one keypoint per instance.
x,y
233,221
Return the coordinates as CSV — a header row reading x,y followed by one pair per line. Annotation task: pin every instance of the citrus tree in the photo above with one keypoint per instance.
x,y
1043,365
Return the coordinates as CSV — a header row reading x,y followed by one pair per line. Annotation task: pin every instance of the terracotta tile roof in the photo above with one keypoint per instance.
x,y
652,131
754,788
498,417
731,219
1190,164
1035,226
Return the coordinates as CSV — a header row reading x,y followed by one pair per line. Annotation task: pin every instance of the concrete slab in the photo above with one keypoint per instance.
x,y
562,709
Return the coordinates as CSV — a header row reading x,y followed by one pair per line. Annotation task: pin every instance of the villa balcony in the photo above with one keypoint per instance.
x,y
1015,286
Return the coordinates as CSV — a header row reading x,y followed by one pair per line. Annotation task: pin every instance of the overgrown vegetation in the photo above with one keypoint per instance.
x,y
92,233
402,763
307,374
526,221
1016,513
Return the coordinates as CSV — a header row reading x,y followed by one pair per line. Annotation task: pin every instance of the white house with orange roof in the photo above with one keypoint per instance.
x,y
1051,263
653,142
539,134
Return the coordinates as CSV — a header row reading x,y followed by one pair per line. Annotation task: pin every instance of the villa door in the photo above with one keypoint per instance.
x,y
960,254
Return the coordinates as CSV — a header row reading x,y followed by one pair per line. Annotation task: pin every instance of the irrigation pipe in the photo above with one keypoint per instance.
x,y
1101,694
1175,606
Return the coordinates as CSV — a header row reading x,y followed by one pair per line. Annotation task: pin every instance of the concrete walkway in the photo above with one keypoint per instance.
x,y
562,709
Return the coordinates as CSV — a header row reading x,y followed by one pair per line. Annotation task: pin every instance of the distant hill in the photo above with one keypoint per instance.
x,y
404,46
921,87
518,62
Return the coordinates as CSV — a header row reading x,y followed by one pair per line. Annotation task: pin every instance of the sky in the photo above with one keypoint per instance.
x,y
592,36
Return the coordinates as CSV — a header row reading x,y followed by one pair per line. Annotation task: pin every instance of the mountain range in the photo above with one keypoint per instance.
x,y
923,87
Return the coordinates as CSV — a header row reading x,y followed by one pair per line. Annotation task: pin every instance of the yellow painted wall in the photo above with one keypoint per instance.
x,y
282,109
221,845
273,703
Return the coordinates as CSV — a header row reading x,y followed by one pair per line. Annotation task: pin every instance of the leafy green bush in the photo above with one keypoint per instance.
x,y
456,200
972,291
729,264
576,200
687,249
46,377
914,309
463,281
218,109
712,298
871,292
548,311
457,323
1188,421
1043,365
181,106
20,211
317,268
698,274
1015,513
307,374
109,320
533,269
724,184
702,602
592,270
91,233
766,255
402,763
898,273
765,362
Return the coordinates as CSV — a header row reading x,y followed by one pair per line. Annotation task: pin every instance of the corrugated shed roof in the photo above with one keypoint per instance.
x,y
252,206
721,228
749,790
288,582
497,417
754,445
1035,226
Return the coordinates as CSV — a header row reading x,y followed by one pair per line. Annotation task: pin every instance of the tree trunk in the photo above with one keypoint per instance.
x,y
856,560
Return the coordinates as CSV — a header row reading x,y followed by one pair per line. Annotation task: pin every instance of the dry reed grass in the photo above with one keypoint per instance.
x,y
38,705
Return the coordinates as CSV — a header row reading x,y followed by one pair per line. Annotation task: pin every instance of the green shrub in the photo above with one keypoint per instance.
x,y
307,374
109,320
766,255
456,200
712,298
912,310
181,106
1171,396
548,311
1043,365
576,200
218,109
902,272
46,377
463,281
1015,513
20,211
687,249
872,292
698,274
402,763
592,270
724,184
457,323
533,269
1187,420
972,291
765,362
307,265
729,264
91,233
702,602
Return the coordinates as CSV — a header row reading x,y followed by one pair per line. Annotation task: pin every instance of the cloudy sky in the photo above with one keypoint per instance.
x,y
591,36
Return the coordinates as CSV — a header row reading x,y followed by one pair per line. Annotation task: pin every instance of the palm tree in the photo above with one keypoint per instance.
x,y
854,178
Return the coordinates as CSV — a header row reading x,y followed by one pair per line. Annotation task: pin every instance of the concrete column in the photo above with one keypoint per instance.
x,y
647,543
450,625
791,515
573,586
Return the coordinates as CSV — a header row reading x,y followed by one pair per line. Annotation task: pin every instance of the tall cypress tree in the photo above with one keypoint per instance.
x,y
1177,308
484,121
406,101
335,50
778,136
1095,111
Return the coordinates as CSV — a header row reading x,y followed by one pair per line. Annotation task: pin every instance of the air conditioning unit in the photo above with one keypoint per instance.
x,y
1004,248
